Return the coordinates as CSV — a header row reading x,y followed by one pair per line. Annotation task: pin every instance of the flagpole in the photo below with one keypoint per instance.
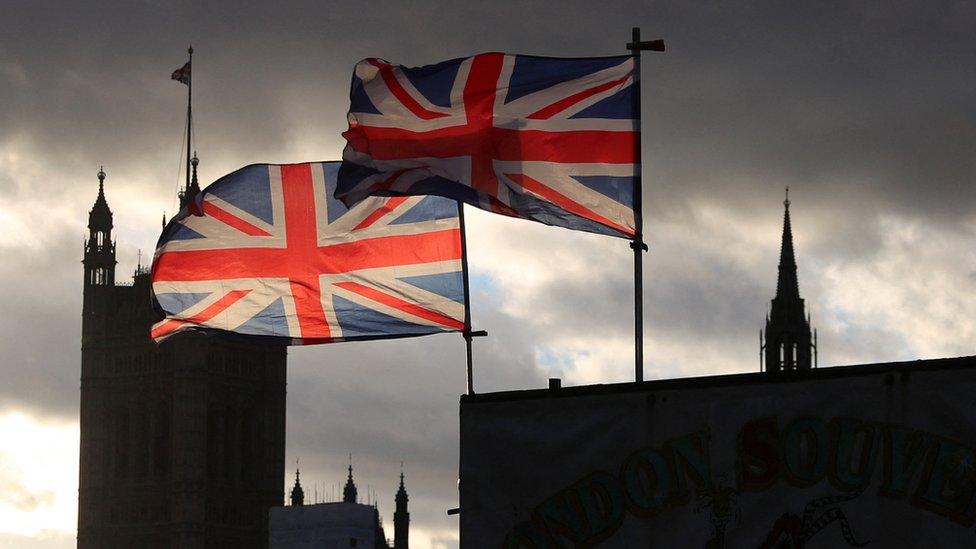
x,y
189,116
638,245
467,334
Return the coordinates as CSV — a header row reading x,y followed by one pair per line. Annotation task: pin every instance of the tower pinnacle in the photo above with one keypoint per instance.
x,y
99,249
349,491
401,517
788,343
787,286
100,216
193,186
297,494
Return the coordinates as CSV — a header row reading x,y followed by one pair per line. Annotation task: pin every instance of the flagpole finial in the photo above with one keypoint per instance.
x,y
190,50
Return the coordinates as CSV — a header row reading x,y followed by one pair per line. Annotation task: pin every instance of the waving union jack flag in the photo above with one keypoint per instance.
x,y
272,253
541,138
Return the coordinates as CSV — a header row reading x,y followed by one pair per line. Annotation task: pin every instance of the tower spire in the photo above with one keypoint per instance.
x,y
297,494
787,285
193,185
100,207
401,517
349,491
99,249
788,342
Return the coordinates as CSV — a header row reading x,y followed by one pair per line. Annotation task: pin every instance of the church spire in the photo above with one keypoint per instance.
x,y
401,517
788,342
349,491
787,286
297,494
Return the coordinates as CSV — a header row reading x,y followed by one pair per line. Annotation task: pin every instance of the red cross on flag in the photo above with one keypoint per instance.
x,y
272,253
547,139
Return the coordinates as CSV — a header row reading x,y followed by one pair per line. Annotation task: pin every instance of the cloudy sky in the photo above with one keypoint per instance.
x,y
867,110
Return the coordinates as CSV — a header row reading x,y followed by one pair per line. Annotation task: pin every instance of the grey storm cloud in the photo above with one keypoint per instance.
x,y
866,110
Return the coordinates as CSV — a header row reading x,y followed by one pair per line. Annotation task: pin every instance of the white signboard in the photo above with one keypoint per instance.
x,y
880,455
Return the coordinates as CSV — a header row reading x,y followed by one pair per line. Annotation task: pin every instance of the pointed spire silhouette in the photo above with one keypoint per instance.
x,y
297,493
787,285
401,516
99,249
100,215
349,492
788,342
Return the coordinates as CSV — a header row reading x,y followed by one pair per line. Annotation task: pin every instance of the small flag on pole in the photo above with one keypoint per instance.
x,y
547,139
270,252
182,74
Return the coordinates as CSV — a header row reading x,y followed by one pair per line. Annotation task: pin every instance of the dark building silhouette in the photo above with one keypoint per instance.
x,y
346,523
788,344
349,492
297,494
182,443
401,518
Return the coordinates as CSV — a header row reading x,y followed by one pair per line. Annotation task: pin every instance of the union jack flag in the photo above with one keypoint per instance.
x,y
182,74
546,139
272,253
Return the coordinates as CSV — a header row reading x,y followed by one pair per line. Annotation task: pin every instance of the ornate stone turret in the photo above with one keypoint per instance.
x,y
401,517
99,249
788,344
349,493
297,494
193,189
99,266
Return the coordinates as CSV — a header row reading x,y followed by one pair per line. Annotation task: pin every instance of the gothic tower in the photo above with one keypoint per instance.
x,y
401,519
99,249
182,443
788,344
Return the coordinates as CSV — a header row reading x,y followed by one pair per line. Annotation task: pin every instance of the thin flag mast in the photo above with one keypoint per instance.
x,y
189,114
467,334
184,75
638,245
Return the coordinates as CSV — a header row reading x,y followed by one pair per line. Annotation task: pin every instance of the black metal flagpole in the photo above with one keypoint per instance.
x,y
638,245
189,115
467,334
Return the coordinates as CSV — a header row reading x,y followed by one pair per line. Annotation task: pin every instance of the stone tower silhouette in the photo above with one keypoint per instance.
x,y
297,494
349,492
182,443
401,519
788,344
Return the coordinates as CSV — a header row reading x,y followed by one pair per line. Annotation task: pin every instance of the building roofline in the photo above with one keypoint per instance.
x,y
753,378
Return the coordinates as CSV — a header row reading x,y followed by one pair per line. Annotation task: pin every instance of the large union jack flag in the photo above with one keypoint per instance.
x,y
270,252
547,139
